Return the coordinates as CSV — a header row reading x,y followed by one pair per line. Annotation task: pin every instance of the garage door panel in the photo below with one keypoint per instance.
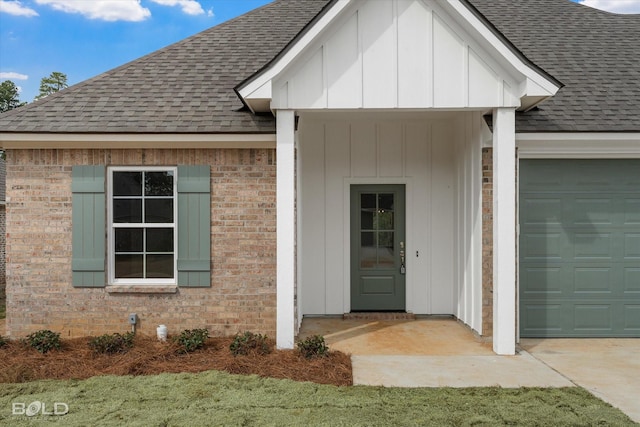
x,y
543,177
592,280
540,319
579,280
543,246
544,280
593,318
580,248
631,211
592,246
592,176
632,245
632,281
632,318
542,211
593,210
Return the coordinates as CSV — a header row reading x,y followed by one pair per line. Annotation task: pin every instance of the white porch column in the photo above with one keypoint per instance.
x,y
285,199
504,231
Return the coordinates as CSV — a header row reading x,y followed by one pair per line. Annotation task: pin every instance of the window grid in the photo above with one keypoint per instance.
x,y
143,224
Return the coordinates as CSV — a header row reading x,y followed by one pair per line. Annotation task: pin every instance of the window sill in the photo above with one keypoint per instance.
x,y
142,289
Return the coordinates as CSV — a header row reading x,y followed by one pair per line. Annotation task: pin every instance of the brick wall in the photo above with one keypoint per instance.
x,y
3,277
487,242
2,228
243,247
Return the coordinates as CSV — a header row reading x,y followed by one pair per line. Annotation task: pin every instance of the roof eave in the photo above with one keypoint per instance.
x,y
263,76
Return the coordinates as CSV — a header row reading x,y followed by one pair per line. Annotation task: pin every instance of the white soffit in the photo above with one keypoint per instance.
x,y
125,141
368,55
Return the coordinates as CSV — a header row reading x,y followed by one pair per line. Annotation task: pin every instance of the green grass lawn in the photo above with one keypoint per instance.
x,y
217,398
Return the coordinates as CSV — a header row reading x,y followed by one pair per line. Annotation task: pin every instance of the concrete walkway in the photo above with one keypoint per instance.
x,y
608,368
455,371
445,353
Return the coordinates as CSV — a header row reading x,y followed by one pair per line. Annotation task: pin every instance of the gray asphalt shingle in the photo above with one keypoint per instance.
x,y
184,88
595,54
188,87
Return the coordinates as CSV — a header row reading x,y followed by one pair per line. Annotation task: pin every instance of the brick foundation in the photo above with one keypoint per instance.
x,y
242,295
487,242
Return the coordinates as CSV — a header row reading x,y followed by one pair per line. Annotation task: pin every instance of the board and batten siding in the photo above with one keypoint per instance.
x,y
425,156
395,54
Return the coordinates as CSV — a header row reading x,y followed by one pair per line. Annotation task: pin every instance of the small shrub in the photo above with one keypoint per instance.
x,y
112,343
313,347
249,342
44,340
191,339
3,341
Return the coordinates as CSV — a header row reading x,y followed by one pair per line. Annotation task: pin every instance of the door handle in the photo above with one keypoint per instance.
x,y
403,268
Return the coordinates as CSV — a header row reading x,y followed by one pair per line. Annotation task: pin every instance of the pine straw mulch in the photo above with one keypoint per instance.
x,y
75,360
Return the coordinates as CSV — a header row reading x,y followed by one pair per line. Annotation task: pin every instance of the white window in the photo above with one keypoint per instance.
x,y
142,235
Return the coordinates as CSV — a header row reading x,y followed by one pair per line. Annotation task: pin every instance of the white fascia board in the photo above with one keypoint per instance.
x,y
263,92
123,141
578,145
259,101
266,76
539,83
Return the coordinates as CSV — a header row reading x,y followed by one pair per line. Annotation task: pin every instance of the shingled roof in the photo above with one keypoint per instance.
x,y
188,87
595,54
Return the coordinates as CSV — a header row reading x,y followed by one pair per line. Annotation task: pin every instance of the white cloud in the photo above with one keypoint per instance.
x,y
105,10
13,76
615,6
190,7
16,8
210,13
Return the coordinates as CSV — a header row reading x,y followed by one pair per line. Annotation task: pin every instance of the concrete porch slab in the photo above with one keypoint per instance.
x,y
421,337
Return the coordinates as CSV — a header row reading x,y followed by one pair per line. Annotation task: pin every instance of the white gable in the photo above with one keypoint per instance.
x,y
415,54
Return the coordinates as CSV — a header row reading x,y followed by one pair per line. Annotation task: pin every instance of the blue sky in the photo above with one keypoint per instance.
x,y
84,38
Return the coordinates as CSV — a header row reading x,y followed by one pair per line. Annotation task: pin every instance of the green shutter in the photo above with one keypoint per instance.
x,y
88,226
194,226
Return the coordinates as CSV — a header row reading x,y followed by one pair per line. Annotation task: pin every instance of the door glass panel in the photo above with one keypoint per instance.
x,y
385,202
385,250
367,217
368,258
385,212
368,201
384,221
377,226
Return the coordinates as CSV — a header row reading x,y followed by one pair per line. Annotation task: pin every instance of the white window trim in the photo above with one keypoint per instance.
x,y
111,229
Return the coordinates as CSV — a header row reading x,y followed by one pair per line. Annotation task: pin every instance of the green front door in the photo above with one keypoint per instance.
x,y
580,248
378,248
